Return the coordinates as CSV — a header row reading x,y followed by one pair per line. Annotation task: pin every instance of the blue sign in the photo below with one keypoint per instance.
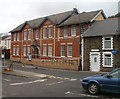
x,y
114,51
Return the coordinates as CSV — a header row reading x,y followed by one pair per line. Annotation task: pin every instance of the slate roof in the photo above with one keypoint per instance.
x,y
55,19
104,28
83,17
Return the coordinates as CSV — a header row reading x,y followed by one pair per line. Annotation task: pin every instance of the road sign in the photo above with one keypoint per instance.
x,y
114,51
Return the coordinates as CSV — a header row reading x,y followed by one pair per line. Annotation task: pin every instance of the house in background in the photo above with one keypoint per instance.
x,y
102,46
53,41
5,45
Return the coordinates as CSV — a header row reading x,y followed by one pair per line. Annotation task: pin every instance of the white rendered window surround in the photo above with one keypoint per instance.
x,y
107,59
107,43
73,30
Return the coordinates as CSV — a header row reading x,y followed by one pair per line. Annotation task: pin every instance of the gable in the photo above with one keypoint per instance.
x,y
99,17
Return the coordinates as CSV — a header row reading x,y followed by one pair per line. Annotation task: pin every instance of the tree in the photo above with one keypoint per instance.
x,y
114,16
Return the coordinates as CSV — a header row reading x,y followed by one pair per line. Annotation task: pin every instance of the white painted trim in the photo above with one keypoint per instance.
x,y
82,44
103,44
103,57
95,16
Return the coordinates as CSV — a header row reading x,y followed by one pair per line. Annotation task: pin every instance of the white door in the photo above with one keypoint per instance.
x,y
95,62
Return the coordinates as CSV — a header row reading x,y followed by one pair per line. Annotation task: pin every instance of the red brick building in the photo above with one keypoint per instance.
x,y
53,41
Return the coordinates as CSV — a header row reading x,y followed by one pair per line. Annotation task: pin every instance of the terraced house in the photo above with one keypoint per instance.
x,y
101,46
53,41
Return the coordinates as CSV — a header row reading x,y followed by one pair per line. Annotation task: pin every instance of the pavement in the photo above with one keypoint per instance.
x,y
25,74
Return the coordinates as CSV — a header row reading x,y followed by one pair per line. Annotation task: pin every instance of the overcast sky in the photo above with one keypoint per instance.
x,y
15,12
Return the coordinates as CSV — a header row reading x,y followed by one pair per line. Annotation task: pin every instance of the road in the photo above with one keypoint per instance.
x,y
61,83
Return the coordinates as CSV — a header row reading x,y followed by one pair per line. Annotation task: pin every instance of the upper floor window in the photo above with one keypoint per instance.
x,y
107,43
69,50
37,34
29,34
15,36
73,30
44,32
82,29
25,35
18,36
49,32
65,31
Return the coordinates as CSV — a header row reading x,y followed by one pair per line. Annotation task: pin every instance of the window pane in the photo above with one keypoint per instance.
x,y
24,48
37,33
14,36
65,31
45,33
50,50
44,51
25,34
108,60
29,34
73,31
62,50
49,32
69,50
107,44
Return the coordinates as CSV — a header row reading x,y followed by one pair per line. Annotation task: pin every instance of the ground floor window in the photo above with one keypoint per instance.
x,y
62,50
44,50
24,50
107,59
69,50
16,50
49,50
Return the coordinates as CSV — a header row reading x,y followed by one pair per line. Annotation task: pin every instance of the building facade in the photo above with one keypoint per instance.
x,y
101,46
53,41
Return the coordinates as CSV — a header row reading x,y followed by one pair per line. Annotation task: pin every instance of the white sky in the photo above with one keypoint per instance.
x,y
15,12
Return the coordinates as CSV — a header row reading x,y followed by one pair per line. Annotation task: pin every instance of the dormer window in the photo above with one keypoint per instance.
x,y
107,43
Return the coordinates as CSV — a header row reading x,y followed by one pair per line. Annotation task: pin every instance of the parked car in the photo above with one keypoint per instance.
x,y
109,83
4,68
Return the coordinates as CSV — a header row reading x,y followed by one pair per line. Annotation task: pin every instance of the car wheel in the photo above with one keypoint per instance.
x,y
93,88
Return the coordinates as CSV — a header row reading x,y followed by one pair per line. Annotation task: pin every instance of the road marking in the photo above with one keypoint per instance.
x,y
30,82
85,95
73,79
7,79
81,80
55,83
